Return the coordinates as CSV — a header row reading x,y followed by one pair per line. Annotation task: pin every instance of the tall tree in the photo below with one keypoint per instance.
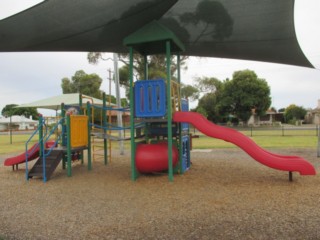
x,y
189,92
81,82
10,110
156,65
293,113
245,93
209,102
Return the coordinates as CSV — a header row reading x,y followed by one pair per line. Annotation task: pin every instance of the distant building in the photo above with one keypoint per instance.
x,y
114,116
271,117
17,123
313,115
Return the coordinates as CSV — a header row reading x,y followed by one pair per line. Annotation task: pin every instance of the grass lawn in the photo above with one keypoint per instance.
x,y
203,142
18,143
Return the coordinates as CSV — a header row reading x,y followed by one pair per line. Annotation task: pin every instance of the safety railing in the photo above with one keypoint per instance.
x,y
43,139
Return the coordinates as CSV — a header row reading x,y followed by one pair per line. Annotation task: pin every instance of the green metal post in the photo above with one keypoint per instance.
x,y
146,70
81,113
63,138
134,173
169,110
89,136
41,135
104,120
179,124
80,104
146,76
42,154
68,146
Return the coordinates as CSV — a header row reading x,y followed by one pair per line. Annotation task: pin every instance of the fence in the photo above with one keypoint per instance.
x,y
312,130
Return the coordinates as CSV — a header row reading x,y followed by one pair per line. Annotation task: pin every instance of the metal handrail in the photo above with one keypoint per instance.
x,y
41,124
42,140
44,154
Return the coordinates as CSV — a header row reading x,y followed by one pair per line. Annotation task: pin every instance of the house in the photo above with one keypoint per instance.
x,y
313,115
18,123
114,116
269,118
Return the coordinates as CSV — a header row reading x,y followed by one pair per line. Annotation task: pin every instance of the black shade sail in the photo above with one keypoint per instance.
x,y
244,29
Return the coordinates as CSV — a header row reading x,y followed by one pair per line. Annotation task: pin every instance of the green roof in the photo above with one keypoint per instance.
x,y
151,39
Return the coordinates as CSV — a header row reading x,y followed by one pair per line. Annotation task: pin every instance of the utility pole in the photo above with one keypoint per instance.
x,y
119,113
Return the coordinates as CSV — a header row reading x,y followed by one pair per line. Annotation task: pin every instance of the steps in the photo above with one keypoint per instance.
x,y
52,161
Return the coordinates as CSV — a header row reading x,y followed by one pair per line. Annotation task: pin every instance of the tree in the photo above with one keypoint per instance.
x,y
189,92
208,85
245,93
124,101
10,110
293,113
212,87
208,104
156,65
81,82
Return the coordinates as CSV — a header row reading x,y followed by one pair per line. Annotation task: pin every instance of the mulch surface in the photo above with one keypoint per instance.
x,y
225,195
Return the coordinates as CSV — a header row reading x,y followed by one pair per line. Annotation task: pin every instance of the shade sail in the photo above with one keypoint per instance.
x,y
54,102
244,29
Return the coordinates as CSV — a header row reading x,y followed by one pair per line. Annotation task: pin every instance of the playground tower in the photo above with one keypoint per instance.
x,y
154,101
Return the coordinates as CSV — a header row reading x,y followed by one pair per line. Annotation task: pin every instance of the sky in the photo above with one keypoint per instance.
x,y
27,77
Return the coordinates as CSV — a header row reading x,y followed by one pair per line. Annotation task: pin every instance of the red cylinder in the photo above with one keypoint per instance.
x,y
154,157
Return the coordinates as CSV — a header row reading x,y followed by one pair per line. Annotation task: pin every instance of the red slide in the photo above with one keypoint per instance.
x,y
33,153
285,163
21,158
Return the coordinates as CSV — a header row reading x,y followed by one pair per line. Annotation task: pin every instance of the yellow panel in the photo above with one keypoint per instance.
x,y
79,131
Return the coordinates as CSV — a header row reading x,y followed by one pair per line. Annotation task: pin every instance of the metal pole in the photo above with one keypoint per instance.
x,y
109,117
134,173
10,129
119,113
318,150
104,119
169,110
68,146
89,137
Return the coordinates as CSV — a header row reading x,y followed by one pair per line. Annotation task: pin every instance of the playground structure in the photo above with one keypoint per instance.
x,y
154,101
69,146
158,103
159,130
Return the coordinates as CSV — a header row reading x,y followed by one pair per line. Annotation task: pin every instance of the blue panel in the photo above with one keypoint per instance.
x,y
185,153
184,105
150,98
184,108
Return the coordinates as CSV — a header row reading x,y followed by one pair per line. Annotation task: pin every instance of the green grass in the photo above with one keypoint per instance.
x,y
205,142
265,140
18,143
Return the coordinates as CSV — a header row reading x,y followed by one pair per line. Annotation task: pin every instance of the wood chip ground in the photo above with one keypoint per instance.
x,y
225,195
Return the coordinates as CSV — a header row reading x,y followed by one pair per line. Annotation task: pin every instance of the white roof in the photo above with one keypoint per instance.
x,y
16,119
68,99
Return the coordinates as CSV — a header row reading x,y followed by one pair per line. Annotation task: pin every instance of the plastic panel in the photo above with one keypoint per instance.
x,y
150,98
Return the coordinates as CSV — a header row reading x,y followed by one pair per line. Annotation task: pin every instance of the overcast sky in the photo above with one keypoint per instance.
x,y
27,77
